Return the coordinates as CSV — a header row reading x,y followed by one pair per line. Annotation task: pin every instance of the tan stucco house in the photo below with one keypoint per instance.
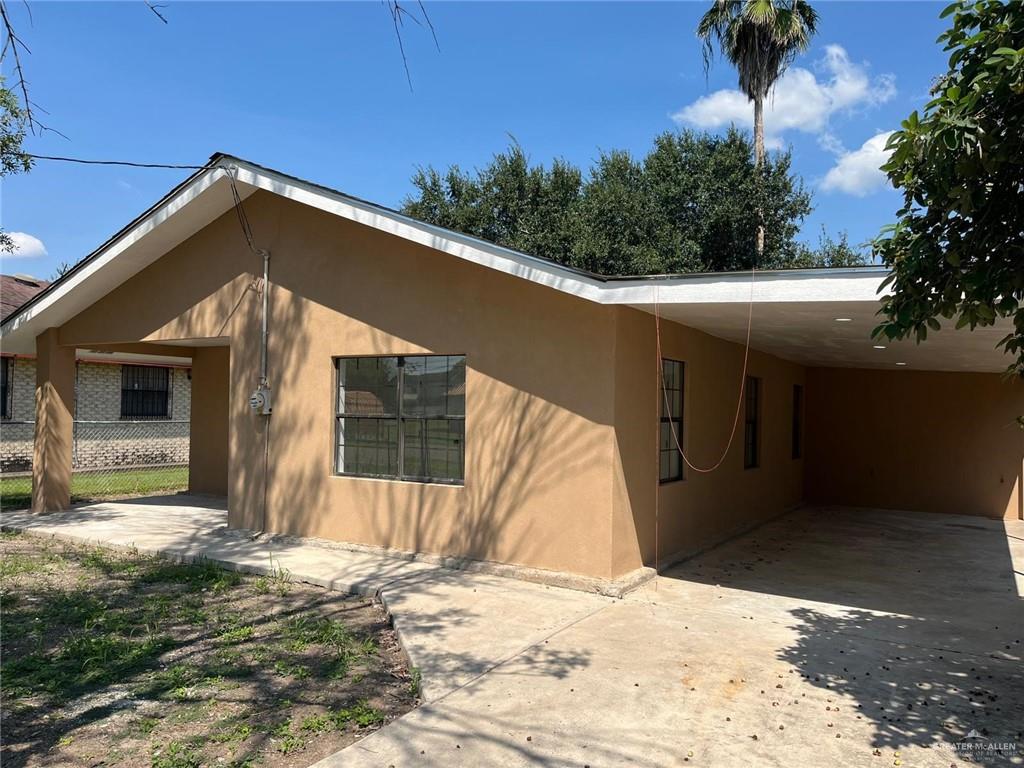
x,y
435,393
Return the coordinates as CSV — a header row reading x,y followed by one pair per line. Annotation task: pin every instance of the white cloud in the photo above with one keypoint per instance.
x,y
26,246
799,101
857,172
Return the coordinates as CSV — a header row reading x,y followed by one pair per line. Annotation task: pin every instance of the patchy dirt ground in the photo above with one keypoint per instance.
x,y
114,659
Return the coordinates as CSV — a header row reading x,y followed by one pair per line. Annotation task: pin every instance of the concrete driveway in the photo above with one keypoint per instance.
x,y
828,637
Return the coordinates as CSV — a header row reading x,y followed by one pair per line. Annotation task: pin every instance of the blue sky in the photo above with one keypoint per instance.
x,y
318,90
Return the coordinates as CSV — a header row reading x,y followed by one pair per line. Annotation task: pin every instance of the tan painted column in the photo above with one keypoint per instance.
x,y
55,413
208,449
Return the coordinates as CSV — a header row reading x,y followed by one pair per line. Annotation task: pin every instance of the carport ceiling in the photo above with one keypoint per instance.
x,y
811,333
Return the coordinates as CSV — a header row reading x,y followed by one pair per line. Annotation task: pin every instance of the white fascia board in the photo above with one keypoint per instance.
x,y
437,238
812,285
129,239
817,285
101,273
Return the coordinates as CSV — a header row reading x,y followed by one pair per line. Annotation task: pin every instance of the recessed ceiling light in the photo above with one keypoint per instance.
x,y
900,363
844,319
879,346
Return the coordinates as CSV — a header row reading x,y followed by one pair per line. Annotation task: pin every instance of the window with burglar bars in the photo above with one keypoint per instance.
x,y
6,373
798,421
145,393
670,459
752,423
402,418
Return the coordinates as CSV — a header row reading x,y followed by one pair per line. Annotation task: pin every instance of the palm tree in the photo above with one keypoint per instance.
x,y
761,38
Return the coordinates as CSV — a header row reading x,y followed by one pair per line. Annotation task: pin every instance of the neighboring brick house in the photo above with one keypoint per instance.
x,y
128,412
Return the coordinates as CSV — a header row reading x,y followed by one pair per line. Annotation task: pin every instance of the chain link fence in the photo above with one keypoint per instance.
x,y
109,459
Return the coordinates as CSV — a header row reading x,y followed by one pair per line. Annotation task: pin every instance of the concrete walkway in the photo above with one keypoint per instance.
x,y
828,637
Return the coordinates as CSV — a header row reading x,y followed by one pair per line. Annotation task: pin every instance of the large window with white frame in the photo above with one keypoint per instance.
x,y
401,417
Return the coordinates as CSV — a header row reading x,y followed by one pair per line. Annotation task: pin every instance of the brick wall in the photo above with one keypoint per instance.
x,y
102,439
17,433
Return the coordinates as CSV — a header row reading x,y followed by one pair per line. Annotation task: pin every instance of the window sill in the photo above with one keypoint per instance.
x,y
404,481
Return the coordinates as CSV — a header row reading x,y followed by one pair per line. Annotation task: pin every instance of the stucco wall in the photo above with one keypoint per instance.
x,y
540,406
928,441
703,508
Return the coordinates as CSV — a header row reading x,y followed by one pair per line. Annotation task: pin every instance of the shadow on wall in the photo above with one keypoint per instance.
x,y
387,295
488,518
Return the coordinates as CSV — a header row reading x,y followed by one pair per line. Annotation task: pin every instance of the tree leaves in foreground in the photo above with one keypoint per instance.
x,y
957,250
690,205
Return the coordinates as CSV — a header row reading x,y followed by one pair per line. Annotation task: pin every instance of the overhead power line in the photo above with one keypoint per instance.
x,y
120,162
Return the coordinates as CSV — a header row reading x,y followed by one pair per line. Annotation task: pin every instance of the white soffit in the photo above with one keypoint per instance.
x,y
838,334
794,310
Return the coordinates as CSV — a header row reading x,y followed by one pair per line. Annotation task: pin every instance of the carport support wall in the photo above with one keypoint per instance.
x,y
54,432
925,441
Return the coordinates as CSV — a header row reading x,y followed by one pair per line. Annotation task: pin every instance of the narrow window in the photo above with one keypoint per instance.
x,y
752,422
402,418
671,437
5,387
145,393
798,421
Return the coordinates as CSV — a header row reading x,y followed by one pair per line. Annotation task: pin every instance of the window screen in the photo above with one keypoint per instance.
x,y
5,387
752,423
670,460
145,392
402,417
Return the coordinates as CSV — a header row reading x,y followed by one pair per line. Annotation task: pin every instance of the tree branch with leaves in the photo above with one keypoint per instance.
x,y
957,250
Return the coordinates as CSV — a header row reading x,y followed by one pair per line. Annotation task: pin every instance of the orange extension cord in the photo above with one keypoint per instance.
x,y
671,425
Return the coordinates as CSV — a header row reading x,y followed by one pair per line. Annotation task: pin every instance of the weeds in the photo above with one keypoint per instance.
x,y
175,638
280,578
360,713
175,755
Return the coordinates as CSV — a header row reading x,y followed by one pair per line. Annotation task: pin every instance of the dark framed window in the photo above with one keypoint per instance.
x,y
798,421
670,461
145,392
6,390
752,423
401,418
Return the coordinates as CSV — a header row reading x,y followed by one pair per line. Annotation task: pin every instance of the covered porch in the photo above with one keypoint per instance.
x,y
192,456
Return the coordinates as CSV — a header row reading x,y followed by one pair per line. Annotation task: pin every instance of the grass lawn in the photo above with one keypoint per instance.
x,y
124,660
16,492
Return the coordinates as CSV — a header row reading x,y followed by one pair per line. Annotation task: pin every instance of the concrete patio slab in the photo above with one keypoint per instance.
x,y
829,637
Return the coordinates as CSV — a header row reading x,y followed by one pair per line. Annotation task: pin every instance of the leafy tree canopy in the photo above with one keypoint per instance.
x,y
957,250
690,205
